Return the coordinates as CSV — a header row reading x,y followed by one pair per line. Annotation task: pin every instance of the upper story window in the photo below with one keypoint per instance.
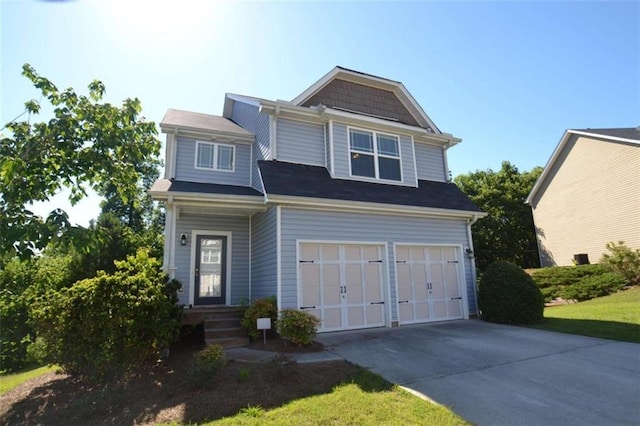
x,y
215,156
374,155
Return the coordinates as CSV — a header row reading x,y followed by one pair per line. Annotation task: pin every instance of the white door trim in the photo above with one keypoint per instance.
x,y
192,263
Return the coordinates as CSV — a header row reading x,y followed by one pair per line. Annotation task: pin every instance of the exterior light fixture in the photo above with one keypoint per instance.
x,y
183,239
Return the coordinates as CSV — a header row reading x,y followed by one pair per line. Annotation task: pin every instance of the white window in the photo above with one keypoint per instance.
x,y
214,156
374,155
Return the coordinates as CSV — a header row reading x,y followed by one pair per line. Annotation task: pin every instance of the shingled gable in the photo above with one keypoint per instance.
x,y
353,91
300,180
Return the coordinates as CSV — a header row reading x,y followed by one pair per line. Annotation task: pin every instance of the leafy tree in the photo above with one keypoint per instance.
x,y
87,144
508,232
105,327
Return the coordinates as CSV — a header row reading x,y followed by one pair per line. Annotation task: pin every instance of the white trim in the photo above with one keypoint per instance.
x,y
192,280
170,158
168,234
172,242
273,135
558,150
279,257
376,155
446,164
415,162
391,209
326,147
331,150
195,133
472,261
251,166
216,147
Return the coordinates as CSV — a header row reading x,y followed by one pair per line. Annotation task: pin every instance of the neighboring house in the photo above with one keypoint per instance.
x,y
588,195
337,203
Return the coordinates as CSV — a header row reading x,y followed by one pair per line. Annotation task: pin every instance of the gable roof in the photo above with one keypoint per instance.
x,y
300,180
625,135
195,121
350,90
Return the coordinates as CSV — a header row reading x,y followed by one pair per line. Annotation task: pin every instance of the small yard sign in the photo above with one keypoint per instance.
x,y
264,324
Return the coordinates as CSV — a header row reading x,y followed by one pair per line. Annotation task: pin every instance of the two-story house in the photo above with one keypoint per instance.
x,y
337,203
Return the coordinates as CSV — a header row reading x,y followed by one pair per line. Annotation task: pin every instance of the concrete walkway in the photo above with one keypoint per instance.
x,y
500,375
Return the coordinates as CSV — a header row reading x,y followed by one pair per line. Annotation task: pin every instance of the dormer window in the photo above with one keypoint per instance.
x,y
374,155
214,156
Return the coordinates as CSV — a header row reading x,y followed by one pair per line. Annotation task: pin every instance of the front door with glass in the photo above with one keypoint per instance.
x,y
210,270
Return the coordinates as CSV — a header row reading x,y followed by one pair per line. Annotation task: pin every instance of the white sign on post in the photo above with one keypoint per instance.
x,y
264,324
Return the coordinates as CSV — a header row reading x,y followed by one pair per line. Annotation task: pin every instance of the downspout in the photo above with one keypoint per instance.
x,y
472,260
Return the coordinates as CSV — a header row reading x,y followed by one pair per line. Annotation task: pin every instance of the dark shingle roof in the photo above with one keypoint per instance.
x,y
625,133
172,185
301,180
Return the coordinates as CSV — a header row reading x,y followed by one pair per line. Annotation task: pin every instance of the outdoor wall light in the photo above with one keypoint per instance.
x,y
469,252
183,239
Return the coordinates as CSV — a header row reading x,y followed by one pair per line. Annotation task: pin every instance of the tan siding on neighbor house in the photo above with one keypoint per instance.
x,y
590,197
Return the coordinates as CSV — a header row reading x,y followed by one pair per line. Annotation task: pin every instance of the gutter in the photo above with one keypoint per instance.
x,y
472,259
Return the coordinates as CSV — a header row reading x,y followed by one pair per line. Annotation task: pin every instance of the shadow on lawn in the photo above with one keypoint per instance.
x,y
166,394
613,330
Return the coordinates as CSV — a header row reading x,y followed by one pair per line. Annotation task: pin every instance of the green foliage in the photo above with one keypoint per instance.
x,y
87,144
106,327
15,278
298,326
594,286
208,362
623,261
261,308
508,232
243,374
552,281
508,295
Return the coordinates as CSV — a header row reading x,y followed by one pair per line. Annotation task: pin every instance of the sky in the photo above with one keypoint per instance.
x,y
508,77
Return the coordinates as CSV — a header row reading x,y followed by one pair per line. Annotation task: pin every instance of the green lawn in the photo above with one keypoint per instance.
x,y
10,381
615,317
367,400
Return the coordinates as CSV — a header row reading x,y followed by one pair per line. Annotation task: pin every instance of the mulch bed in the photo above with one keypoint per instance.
x,y
276,344
166,393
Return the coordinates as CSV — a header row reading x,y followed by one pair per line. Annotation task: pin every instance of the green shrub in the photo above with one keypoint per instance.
x,y
594,286
261,308
105,327
508,295
211,360
298,326
552,281
623,261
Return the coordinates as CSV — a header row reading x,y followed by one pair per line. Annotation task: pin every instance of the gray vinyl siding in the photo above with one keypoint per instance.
x,y
248,117
430,162
239,228
341,155
263,254
352,227
186,170
299,142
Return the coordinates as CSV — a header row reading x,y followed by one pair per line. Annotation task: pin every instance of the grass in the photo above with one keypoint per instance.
x,y
10,381
366,400
615,317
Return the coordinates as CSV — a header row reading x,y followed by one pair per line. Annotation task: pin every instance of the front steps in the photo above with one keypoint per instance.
x,y
221,325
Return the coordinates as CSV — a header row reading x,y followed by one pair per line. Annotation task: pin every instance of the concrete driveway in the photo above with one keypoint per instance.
x,y
501,375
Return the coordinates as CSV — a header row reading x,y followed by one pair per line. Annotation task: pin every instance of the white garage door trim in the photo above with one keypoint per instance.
x,y
341,313
424,309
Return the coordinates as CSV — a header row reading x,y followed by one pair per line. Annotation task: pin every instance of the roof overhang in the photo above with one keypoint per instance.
x,y
206,134
370,80
566,137
365,207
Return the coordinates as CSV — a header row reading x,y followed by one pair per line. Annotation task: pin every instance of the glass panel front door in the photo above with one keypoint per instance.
x,y
210,272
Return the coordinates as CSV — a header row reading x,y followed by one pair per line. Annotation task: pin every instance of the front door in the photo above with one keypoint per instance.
x,y
210,272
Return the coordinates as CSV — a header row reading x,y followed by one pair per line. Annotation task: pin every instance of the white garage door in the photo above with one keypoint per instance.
x,y
341,284
428,284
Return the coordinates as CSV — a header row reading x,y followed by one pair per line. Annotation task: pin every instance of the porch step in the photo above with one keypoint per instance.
x,y
194,316
211,324
220,332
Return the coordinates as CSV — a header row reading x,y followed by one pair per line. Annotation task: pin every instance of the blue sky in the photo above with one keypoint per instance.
x,y
506,77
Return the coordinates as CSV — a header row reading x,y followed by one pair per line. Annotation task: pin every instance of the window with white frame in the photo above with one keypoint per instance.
x,y
375,155
214,156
